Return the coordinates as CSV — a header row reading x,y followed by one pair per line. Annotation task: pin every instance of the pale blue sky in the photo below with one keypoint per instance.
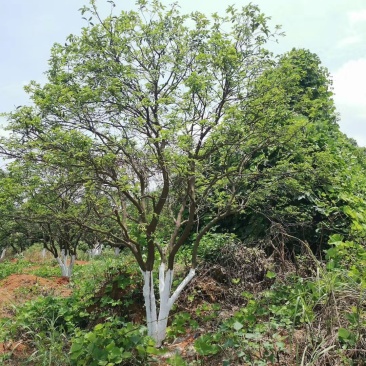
x,y
333,29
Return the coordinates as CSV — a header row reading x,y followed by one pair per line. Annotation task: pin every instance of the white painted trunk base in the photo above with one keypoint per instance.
x,y
97,250
66,265
157,324
3,253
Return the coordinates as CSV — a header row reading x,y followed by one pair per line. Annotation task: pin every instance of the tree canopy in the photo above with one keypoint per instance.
x,y
138,103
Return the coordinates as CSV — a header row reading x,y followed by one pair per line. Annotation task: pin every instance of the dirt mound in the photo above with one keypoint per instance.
x,y
18,288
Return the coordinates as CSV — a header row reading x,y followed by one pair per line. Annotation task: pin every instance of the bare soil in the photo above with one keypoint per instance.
x,y
16,289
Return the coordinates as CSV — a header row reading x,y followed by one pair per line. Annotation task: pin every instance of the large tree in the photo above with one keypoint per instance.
x,y
296,201
141,103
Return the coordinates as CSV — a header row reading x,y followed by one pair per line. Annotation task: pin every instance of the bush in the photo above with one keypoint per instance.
x,y
212,244
112,343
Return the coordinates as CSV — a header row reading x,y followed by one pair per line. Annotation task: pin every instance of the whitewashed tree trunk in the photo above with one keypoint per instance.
x,y
157,324
66,268
43,253
97,250
117,251
3,253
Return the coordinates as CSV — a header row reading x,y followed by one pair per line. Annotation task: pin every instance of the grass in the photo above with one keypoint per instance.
x,y
279,318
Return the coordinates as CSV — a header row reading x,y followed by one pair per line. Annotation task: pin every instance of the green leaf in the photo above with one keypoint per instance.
x,y
204,346
270,274
237,326
343,333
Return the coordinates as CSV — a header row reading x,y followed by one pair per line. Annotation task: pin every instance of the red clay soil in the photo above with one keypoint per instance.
x,y
18,288
81,262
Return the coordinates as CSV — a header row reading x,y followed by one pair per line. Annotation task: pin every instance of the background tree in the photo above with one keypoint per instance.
x,y
14,233
48,196
311,165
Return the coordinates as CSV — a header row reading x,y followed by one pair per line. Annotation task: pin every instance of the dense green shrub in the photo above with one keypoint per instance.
x,y
112,343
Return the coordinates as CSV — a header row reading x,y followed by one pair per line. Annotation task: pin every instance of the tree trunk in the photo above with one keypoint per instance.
x,y
157,324
97,250
65,265
3,254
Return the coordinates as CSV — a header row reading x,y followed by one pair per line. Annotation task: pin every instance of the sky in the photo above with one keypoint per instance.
x,y
333,29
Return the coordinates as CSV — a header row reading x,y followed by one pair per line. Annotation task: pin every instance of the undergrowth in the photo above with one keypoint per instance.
x,y
241,309
319,320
